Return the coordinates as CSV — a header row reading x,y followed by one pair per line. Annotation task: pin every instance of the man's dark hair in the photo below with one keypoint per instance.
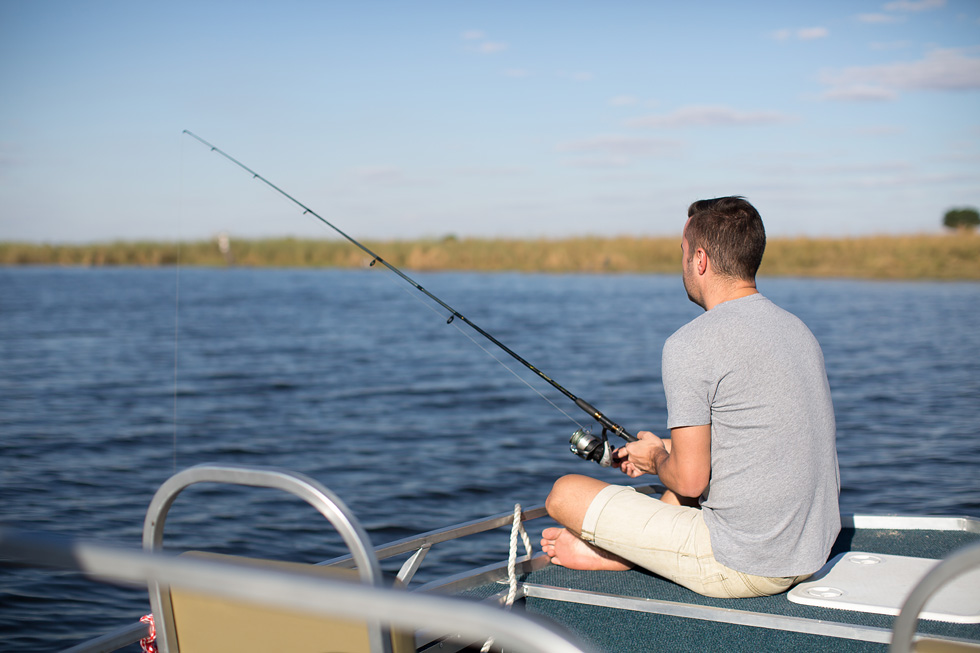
x,y
730,230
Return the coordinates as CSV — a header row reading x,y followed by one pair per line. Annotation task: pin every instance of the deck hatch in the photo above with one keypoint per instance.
x,y
879,583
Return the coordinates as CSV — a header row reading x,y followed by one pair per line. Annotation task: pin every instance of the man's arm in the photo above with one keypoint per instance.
x,y
683,462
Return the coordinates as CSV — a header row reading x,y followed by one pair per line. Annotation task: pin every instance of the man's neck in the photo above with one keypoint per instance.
x,y
728,292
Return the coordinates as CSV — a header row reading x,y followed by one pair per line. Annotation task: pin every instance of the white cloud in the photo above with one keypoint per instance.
x,y
486,46
914,5
490,47
517,72
705,116
880,18
581,76
900,7
942,70
811,33
802,34
620,144
616,150
860,92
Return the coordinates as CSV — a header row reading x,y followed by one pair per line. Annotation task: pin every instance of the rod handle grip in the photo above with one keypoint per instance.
x,y
606,423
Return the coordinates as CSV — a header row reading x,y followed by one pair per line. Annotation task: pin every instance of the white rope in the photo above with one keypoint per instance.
x,y
516,528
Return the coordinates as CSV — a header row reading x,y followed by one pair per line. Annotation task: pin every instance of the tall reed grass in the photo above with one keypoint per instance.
x,y
954,256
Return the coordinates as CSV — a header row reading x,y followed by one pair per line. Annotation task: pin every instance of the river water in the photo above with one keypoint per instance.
x,y
113,378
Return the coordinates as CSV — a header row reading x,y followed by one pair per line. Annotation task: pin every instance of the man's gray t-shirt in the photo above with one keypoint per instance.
x,y
756,374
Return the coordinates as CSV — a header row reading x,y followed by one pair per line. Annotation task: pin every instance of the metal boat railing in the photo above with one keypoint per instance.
x,y
302,593
328,504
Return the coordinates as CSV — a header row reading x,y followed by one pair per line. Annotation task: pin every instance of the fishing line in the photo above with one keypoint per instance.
x,y
176,348
583,443
180,221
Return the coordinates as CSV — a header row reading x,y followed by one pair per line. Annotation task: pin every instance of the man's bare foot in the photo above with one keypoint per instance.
x,y
567,550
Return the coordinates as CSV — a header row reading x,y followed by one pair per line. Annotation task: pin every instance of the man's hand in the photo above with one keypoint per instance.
x,y
643,456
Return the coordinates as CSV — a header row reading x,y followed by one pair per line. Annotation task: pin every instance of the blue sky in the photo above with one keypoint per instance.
x,y
523,119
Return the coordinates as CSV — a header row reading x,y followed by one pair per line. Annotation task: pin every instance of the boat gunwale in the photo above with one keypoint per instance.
x,y
898,522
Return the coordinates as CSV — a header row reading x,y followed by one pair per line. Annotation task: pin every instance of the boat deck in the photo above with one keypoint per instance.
x,y
639,611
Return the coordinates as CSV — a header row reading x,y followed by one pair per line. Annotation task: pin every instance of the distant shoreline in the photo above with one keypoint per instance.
x,y
953,256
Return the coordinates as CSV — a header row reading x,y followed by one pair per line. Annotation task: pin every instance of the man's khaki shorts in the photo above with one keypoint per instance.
x,y
671,541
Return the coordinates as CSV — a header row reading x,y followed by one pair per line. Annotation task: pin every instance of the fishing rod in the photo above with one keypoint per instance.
x,y
583,443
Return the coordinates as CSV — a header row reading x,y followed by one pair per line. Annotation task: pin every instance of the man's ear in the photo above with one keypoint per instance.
x,y
701,260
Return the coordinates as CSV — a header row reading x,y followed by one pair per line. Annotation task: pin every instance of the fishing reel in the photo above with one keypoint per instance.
x,y
587,446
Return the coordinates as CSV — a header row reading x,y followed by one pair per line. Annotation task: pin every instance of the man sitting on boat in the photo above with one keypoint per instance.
x,y
751,506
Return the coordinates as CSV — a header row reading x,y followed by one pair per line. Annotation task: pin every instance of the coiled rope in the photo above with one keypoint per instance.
x,y
149,643
516,529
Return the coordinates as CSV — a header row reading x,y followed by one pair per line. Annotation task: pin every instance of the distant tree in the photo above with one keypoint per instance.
x,y
963,218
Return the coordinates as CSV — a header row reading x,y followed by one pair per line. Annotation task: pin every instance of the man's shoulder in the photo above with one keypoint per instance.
x,y
692,339
686,332
735,320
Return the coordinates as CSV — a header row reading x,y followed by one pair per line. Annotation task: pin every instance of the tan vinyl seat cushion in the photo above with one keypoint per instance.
x,y
209,624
